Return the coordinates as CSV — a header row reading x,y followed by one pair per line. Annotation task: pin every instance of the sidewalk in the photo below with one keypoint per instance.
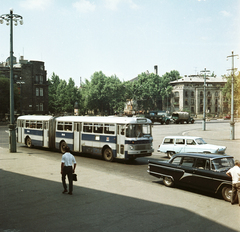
x,y
31,200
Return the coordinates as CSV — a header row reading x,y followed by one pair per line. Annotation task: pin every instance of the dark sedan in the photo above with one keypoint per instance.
x,y
200,171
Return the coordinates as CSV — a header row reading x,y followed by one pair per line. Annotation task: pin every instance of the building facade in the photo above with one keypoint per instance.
x,y
188,95
31,79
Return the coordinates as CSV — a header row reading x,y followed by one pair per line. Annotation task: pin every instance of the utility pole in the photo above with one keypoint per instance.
x,y
204,100
232,123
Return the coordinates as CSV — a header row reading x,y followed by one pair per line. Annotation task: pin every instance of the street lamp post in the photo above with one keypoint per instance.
x,y
204,100
232,123
9,18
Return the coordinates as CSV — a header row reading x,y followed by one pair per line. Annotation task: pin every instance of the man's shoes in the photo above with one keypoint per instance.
x,y
64,191
70,193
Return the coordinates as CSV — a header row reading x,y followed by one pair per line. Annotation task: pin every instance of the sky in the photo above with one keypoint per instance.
x,y
75,38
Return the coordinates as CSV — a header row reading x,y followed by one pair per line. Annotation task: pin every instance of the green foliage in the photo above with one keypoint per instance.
x,y
106,95
226,90
62,95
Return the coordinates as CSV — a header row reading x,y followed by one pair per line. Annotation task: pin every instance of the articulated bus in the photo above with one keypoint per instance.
x,y
110,137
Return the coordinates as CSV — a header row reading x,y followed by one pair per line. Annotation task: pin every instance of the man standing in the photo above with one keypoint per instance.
x,y
234,172
68,166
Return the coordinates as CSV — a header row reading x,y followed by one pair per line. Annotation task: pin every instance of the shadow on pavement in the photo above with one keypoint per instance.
x,y
33,204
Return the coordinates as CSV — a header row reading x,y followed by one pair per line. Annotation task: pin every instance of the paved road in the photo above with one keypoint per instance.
x,y
108,196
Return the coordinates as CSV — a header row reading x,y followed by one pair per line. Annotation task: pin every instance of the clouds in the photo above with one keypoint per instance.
x,y
225,13
84,6
114,4
36,5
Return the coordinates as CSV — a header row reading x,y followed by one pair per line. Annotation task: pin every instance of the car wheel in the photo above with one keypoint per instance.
x,y
227,193
168,181
29,142
63,147
107,154
170,154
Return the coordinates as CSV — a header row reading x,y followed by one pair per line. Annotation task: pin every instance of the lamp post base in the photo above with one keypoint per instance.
x,y
12,138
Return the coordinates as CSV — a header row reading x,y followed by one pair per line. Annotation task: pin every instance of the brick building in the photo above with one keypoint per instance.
x,y
31,78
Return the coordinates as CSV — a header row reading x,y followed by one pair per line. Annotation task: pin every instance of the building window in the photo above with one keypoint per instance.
x,y
201,94
186,102
37,107
186,94
41,107
176,94
41,80
37,79
216,93
41,92
37,92
192,94
192,101
209,94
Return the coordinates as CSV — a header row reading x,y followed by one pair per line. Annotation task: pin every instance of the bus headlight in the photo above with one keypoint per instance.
x,y
131,147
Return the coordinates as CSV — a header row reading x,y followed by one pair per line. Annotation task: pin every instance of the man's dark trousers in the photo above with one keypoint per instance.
x,y
67,170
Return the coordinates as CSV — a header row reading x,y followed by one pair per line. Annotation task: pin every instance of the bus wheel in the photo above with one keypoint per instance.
x,y
63,146
29,142
107,154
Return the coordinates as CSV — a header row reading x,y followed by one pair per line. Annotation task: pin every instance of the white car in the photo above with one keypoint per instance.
x,y
176,144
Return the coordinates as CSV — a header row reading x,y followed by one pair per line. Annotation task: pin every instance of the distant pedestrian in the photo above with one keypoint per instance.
x,y
68,166
234,172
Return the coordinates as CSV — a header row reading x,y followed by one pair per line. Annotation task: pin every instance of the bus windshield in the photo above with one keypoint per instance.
x,y
138,130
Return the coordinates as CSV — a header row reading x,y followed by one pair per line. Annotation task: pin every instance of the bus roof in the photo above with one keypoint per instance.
x,y
104,119
35,117
97,119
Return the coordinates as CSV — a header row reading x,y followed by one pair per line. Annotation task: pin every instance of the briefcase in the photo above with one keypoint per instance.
x,y
74,177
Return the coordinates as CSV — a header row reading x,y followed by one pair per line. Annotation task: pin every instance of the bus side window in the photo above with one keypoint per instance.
x,y
27,124
87,127
32,124
98,128
60,126
109,129
39,124
68,126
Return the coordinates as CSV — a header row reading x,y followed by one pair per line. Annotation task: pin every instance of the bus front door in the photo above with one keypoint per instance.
x,y
45,134
20,130
121,141
77,137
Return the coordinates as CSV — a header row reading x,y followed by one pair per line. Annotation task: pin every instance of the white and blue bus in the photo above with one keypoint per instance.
x,y
110,137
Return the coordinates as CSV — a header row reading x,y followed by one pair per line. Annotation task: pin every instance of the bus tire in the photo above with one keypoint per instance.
x,y
63,145
108,154
28,142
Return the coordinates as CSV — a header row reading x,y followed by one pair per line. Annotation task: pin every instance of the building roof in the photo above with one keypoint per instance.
x,y
199,79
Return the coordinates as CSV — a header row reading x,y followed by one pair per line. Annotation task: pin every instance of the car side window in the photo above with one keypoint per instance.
x,y
177,160
191,142
187,161
180,141
201,163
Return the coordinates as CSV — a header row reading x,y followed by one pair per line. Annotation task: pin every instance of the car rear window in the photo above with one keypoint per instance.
x,y
168,141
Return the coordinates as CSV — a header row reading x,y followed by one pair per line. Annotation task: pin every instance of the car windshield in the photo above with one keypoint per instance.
x,y
138,130
222,164
200,141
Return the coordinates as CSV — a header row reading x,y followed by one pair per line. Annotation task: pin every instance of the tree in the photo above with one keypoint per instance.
x,y
52,89
226,90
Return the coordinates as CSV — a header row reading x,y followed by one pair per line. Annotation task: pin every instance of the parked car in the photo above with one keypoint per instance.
x,y
205,172
227,117
181,117
158,116
176,144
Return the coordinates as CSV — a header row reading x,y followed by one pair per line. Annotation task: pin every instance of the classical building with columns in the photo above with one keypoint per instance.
x,y
188,95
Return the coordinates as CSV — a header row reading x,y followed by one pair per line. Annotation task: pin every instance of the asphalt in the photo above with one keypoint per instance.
x,y
31,199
